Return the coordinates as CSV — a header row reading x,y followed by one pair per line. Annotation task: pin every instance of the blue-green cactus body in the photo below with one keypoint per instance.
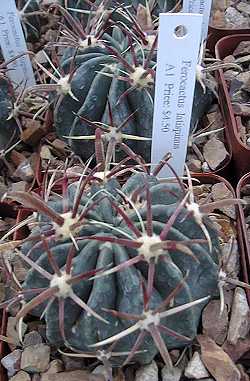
x,y
102,78
122,290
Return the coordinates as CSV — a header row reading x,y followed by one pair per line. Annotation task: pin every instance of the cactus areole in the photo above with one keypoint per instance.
x,y
126,266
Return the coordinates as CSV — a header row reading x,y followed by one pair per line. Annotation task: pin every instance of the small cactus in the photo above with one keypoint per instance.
x,y
109,68
105,76
112,264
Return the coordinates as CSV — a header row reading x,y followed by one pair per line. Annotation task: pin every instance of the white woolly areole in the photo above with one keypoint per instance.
x,y
146,247
101,175
111,66
150,319
140,79
150,39
113,134
64,85
65,231
103,355
89,41
61,282
222,276
194,208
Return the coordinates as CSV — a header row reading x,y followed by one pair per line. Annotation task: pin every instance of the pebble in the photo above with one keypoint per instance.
x,y
235,17
12,330
171,374
211,313
35,358
215,153
20,186
41,57
243,49
11,362
55,366
245,75
20,269
242,60
36,377
241,109
32,338
147,373
194,165
24,171
33,132
205,167
240,317
3,188
230,75
243,7
101,370
220,192
229,59
219,364
76,375
231,258
71,363
196,369
21,376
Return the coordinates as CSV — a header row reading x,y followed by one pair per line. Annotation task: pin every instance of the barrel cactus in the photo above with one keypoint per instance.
x,y
106,72
112,264
104,76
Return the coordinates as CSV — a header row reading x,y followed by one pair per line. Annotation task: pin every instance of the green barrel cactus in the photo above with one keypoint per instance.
x,y
113,79
131,266
107,78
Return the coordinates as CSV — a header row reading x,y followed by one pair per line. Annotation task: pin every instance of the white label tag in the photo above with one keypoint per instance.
x,y
174,88
13,43
202,7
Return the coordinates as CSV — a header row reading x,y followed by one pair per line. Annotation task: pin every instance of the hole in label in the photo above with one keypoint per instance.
x,y
180,31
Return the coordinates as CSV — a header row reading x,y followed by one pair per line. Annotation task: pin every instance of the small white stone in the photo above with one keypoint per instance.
x,y
196,368
35,358
11,362
100,369
215,153
240,317
171,374
147,373
21,376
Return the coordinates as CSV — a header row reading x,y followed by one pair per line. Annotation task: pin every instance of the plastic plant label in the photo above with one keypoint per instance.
x,y
13,43
201,7
178,48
